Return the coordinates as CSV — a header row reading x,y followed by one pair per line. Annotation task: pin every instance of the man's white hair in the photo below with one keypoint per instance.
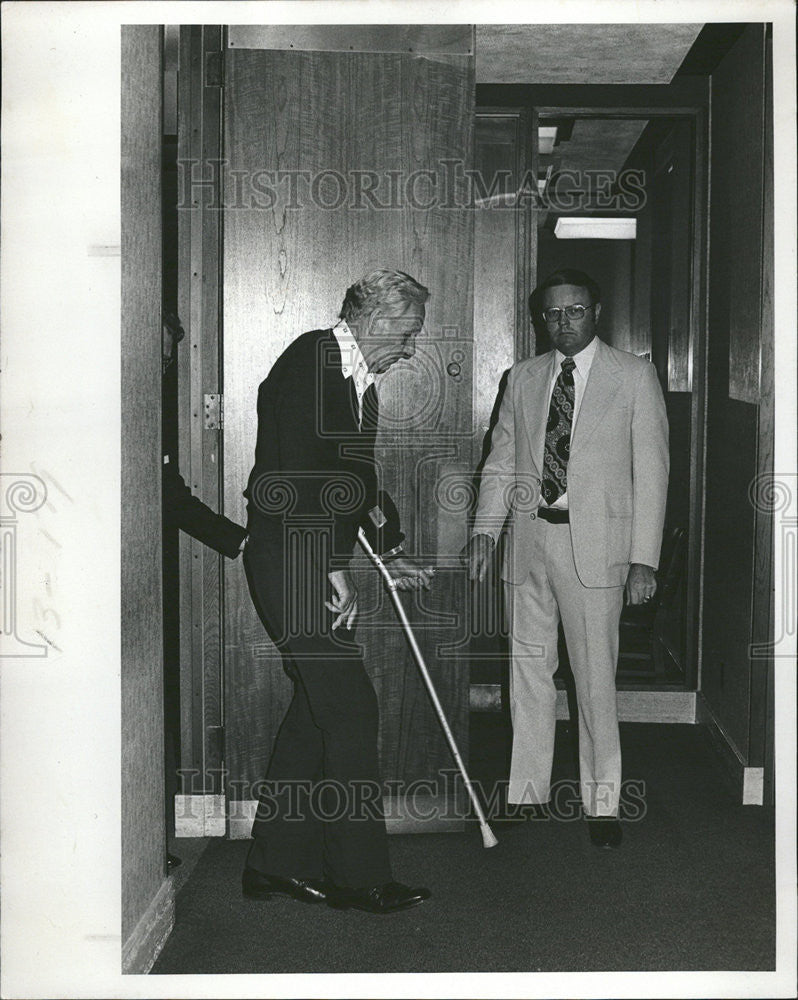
x,y
380,287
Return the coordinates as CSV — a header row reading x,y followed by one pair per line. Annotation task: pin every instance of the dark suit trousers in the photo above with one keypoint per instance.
x,y
320,811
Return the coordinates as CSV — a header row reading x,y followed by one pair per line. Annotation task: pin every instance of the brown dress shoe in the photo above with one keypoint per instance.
x,y
388,898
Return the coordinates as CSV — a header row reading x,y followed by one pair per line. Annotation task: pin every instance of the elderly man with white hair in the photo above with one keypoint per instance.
x,y
319,832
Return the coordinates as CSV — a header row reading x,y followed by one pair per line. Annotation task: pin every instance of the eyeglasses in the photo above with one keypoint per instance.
x,y
574,312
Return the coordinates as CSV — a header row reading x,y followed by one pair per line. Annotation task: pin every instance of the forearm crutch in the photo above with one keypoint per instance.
x,y
488,839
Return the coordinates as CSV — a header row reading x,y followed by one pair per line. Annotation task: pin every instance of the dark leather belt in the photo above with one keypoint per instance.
x,y
552,515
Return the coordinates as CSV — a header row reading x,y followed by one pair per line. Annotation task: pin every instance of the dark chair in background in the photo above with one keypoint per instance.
x,y
650,634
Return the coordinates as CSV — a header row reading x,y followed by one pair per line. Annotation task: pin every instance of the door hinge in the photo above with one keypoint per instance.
x,y
214,69
214,411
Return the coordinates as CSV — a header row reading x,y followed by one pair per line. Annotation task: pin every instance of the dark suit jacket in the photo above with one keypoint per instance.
x,y
181,509
313,466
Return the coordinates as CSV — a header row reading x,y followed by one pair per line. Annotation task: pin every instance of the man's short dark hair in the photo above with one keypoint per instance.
x,y
565,276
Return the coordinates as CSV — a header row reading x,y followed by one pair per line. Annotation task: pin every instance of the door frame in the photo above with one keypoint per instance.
x,y
686,99
199,810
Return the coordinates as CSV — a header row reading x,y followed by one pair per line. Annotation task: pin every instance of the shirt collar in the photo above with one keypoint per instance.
x,y
353,364
583,360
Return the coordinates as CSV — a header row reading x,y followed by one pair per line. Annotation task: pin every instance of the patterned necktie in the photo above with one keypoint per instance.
x,y
558,434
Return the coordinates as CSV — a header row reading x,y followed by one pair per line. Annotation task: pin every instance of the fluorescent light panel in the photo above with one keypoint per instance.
x,y
572,227
547,136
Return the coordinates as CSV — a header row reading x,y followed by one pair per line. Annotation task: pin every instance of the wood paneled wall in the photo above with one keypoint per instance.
x,y
663,262
286,269
668,303
143,842
505,251
505,265
739,416
761,731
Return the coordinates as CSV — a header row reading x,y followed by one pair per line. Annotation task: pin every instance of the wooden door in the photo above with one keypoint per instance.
x,y
305,133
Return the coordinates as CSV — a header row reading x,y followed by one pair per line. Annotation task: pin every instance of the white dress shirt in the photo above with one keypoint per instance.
x,y
353,364
583,361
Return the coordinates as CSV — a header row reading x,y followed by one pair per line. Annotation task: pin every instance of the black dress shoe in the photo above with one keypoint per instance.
x,y
605,831
256,885
388,898
172,862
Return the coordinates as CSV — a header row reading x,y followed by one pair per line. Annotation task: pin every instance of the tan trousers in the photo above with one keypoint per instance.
x,y
590,617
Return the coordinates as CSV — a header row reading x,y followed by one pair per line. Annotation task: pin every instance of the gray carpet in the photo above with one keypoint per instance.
x,y
691,888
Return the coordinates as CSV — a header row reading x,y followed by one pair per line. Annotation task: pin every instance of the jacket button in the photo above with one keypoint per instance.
x,y
533,515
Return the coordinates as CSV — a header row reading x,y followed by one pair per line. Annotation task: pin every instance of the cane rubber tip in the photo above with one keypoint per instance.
x,y
488,840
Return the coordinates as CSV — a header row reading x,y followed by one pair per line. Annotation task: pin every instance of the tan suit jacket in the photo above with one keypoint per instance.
x,y
617,469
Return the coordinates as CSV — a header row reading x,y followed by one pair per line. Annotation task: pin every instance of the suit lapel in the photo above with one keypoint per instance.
x,y
603,386
371,409
339,391
535,396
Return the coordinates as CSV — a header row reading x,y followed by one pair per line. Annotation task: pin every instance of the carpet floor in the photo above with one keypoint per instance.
x,y
691,888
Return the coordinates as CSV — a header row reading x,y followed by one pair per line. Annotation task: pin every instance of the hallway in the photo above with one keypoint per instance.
x,y
693,885
692,888
190,188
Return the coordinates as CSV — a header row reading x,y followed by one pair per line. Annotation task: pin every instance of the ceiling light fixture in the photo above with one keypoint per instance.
x,y
547,139
573,227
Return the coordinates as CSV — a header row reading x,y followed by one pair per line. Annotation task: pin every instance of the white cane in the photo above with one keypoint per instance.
x,y
488,839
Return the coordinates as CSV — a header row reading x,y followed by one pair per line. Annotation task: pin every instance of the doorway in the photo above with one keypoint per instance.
x,y
617,202
617,189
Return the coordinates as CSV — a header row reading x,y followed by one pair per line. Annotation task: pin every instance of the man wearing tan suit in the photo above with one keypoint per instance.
x,y
579,461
